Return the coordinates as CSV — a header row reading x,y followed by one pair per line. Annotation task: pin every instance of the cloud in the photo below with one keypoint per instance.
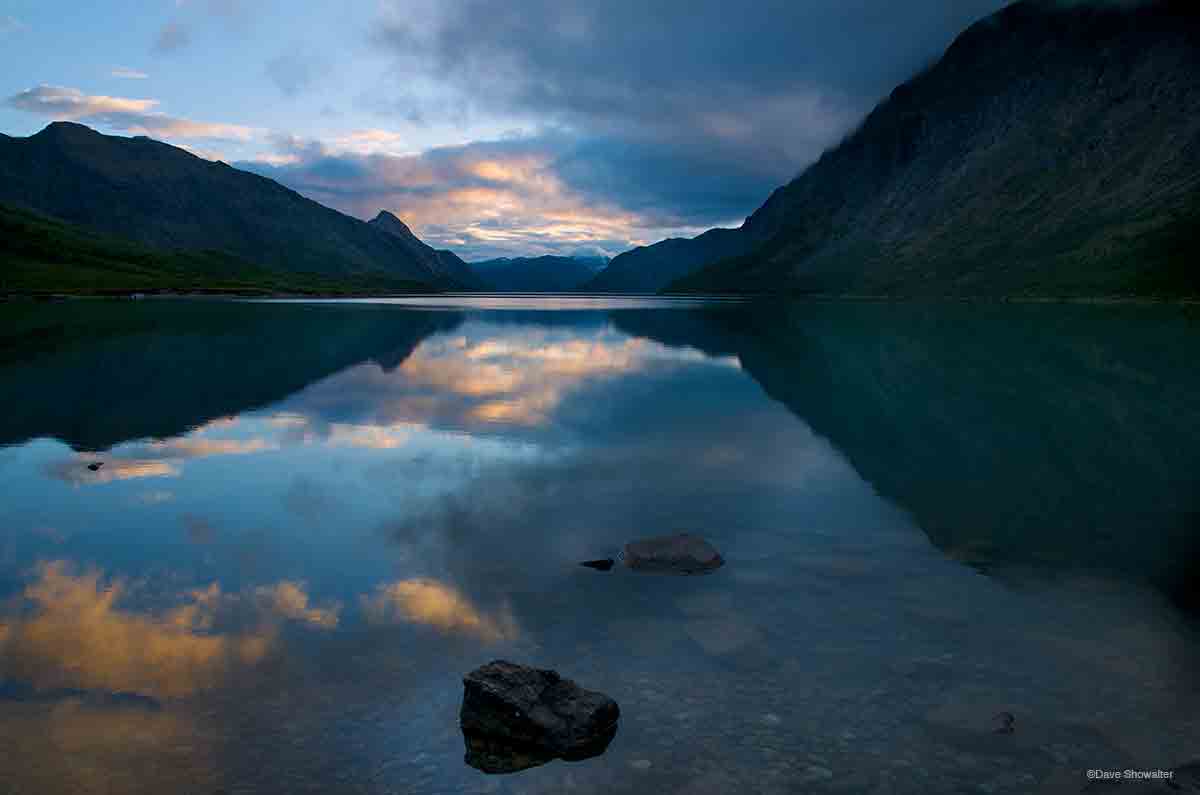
x,y
482,199
295,72
137,116
638,123
173,36
686,109
669,65
72,103
125,73
368,142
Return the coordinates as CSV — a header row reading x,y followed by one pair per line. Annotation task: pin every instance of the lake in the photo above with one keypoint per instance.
x,y
311,519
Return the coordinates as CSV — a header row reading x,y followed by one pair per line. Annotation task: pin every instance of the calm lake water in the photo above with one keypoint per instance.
x,y
313,518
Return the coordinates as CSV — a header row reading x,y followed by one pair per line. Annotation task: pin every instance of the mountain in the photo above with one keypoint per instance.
x,y
164,198
1054,150
537,274
648,269
445,263
42,255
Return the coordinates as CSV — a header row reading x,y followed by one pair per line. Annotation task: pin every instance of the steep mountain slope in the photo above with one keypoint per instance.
x,y
160,196
445,263
537,274
1053,151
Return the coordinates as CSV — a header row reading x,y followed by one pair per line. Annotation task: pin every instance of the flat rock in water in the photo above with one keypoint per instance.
x,y
678,554
514,717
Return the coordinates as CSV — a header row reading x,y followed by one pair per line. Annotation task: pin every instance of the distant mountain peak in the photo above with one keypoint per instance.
x,y
66,128
446,263
163,197
390,223
547,273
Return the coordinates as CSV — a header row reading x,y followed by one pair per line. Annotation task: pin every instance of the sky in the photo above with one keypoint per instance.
x,y
493,127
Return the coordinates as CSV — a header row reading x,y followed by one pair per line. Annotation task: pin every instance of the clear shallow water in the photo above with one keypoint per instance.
x,y
313,518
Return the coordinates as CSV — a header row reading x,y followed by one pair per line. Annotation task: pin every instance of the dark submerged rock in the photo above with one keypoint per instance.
x,y
515,717
1003,722
677,554
497,756
604,564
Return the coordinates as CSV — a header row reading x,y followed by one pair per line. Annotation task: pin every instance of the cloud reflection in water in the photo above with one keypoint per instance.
x,y
428,602
75,632
484,378
75,470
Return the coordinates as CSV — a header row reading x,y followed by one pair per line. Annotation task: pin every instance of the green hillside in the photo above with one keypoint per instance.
x,y
40,255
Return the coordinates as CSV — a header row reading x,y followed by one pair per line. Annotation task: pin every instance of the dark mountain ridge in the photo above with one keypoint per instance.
x,y
445,263
547,274
40,255
163,197
1054,150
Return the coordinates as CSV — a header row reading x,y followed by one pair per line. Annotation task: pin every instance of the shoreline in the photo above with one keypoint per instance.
x,y
268,295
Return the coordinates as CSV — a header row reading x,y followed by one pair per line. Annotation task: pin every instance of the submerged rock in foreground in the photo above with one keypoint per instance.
x,y
515,717
604,564
678,554
497,756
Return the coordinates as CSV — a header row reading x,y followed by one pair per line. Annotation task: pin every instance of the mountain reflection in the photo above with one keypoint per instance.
x,y
1053,437
309,523
105,373
1043,436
